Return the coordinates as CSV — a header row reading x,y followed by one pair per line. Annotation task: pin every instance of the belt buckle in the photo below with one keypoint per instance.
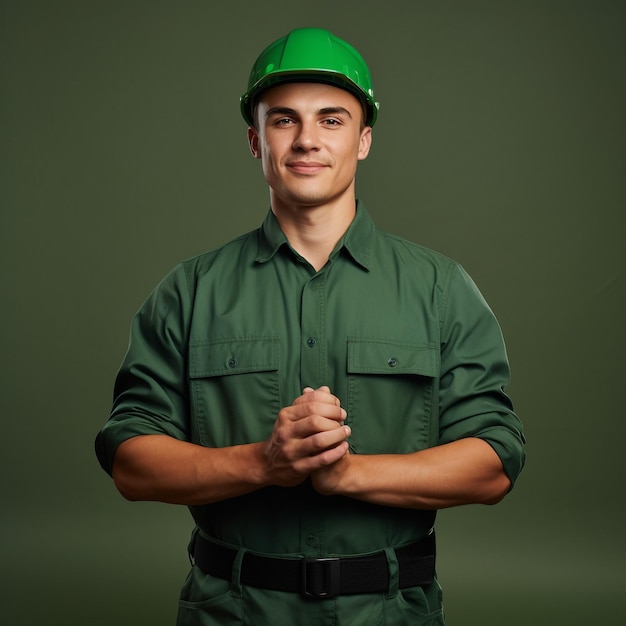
x,y
321,578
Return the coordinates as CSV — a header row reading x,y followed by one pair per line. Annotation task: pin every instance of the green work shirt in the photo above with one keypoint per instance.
x,y
399,333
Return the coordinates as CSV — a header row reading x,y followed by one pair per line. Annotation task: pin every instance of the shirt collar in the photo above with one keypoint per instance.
x,y
357,240
271,238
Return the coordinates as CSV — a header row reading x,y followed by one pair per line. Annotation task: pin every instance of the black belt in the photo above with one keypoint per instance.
x,y
320,578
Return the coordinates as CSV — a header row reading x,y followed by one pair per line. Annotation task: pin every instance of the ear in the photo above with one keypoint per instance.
x,y
253,142
365,143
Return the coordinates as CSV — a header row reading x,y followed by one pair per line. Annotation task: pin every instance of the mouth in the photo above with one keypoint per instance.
x,y
305,167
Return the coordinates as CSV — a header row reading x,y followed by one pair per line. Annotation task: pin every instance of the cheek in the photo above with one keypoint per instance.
x,y
266,149
269,158
270,163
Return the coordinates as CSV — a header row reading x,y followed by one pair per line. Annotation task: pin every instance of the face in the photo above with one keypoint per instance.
x,y
309,137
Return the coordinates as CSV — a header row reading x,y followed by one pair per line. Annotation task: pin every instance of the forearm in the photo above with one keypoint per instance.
x,y
306,436
463,472
160,468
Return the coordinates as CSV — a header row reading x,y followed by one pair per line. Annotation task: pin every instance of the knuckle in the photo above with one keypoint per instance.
x,y
317,441
280,435
321,424
312,408
283,415
317,422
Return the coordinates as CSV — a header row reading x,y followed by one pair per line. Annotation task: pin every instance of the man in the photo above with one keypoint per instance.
x,y
314,390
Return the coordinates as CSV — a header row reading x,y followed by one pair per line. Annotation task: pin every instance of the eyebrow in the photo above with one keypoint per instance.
x,y
325,111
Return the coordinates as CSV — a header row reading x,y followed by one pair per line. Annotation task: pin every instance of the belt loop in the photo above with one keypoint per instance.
x,y
394,572
191,546
235,580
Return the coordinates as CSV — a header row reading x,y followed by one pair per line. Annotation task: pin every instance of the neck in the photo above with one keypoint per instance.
x,y
314,231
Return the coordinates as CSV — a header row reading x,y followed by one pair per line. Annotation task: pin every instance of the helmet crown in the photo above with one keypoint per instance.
x,y
311,55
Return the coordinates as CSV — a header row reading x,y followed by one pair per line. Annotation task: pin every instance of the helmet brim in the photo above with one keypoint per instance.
x,y
334,79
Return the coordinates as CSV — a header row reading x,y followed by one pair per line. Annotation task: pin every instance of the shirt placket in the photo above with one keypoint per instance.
x,y
313,373
313,352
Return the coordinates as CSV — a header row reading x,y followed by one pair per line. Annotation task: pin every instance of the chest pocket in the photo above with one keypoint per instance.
x,y
391,386
234,387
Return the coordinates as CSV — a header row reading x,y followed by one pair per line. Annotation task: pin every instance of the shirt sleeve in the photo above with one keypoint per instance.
x,y
474,374
150,393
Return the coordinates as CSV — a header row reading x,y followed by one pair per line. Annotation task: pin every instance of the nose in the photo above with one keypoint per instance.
x,y
306,137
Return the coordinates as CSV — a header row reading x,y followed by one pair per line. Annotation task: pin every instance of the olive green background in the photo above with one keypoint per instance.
x,y
500,142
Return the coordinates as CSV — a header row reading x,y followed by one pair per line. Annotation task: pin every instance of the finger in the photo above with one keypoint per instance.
x,y
333,412
317,424
291,446
323,459
322,441
311,410
317,395
323,388
328,457
331,398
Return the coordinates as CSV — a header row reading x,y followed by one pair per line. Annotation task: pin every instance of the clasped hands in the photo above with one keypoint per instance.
x,y
309,439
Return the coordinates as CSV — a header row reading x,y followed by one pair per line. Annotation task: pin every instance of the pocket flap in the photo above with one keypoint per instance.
x,y
385,356
227,356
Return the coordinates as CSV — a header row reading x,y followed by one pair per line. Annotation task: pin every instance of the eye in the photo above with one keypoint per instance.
x,y
283,121
331,121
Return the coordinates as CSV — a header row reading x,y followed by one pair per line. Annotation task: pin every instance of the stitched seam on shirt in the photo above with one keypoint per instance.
x,y
447,287
395,342
269,366
323,351
378,369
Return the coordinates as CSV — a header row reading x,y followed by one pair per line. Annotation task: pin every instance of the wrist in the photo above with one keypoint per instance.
x,y
260,465
333,480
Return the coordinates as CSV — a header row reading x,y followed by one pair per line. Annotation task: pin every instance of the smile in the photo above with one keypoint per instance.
x,y
306,167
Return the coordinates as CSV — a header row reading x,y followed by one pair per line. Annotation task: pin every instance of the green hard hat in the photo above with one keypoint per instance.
x,y
311,55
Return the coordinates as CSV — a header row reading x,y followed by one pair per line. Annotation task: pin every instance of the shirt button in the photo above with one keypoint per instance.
x,y
311,341
392,362
310,540
233,362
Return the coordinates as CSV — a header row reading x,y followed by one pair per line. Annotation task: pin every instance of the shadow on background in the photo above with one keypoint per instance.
x,y
500,142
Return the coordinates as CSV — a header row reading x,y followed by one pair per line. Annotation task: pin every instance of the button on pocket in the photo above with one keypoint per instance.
x,y
220,357
390,395
233,376
377,356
